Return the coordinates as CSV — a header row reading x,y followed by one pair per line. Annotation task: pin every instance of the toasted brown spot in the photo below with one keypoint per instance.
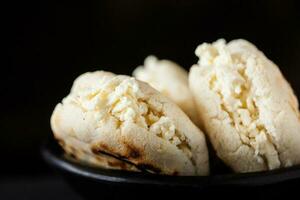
x,y
72,155
60,141
124,160
118,163
99,158
134,154
72,149
104,149
100,147
95,151
132,151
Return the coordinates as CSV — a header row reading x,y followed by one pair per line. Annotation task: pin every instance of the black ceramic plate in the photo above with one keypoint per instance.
x,y
91,181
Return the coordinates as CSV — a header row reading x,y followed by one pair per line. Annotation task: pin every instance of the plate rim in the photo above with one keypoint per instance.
x,y
58,161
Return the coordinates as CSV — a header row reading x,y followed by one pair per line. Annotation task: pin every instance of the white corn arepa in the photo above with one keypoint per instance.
x,y
171,80
75,148
107,114
248,109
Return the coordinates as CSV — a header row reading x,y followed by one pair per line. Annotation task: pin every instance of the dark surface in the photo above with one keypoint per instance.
x,y
36,188
48,43
114,184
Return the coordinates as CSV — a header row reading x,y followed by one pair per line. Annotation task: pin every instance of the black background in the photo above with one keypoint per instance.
x,y
49,43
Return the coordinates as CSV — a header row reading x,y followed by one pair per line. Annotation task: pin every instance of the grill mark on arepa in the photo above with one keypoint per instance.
x,y
143,166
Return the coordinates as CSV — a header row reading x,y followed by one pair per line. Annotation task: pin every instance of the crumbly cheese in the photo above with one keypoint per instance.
x,y
122,100
171,80
229,80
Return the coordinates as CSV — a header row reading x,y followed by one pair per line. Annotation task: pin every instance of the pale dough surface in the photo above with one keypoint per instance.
x,y
249,110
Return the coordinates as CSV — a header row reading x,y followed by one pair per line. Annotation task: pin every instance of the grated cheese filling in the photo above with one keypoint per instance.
x,y
121,100
230,82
